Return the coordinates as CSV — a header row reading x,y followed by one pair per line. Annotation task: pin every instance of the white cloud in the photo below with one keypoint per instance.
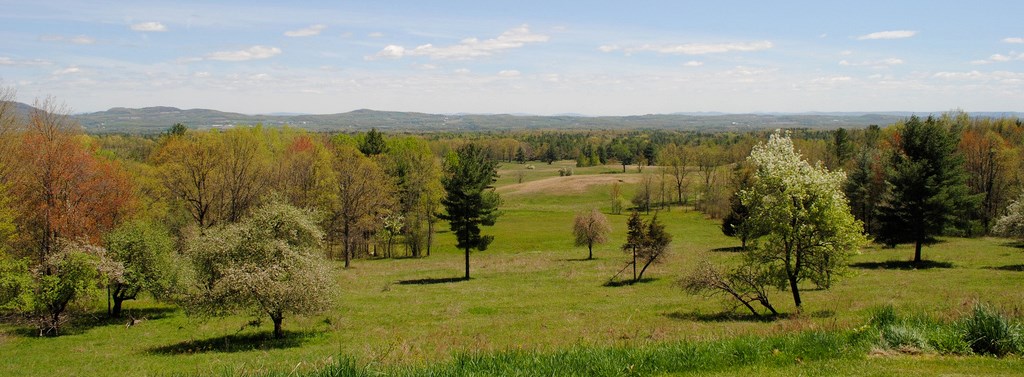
x,y
891,34
468,48
846,53
82,40
376,35
695,48
509,73
306,32
1013,40
149,27
693,63
1000,58
1003,77
78,39
980,62
884,63
251,53
832,79
67,71
462,71
389,52
201,74
4,60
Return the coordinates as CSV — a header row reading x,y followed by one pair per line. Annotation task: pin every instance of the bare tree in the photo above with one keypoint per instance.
x,y
675,158
365,193
708,160
746,284
591,228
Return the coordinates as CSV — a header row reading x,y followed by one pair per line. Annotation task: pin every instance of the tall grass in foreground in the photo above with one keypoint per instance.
x,y
681,357
983,332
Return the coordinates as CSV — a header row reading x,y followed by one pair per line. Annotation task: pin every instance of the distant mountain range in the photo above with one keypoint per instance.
x,y
158,119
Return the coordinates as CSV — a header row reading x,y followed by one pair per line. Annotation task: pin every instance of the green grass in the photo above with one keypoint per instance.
x,y
532,296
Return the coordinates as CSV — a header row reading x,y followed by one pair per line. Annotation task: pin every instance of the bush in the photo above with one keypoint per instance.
x,y
988,332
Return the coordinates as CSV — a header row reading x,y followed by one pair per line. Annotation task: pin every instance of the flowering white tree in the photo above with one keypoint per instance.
x,y
801,214
1012,224
268,263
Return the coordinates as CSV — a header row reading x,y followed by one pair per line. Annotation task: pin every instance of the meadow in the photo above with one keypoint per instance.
x,y
534,296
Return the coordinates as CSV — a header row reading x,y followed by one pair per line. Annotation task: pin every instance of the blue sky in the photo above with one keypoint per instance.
x,y
538,57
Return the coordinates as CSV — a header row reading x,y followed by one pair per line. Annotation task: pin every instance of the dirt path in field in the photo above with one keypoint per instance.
x,y
575,184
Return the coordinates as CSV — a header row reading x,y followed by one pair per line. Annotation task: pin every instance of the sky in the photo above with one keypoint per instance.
x,y
519,57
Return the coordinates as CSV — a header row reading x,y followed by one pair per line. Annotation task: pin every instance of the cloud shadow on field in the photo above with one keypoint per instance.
x,y
901,265
260,341
428,281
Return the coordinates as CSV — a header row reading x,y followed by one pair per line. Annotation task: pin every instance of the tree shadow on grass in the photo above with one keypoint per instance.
x,y
902,265
621,283
1012,267
260,341
578,259
1014,244
727,316
428,281
82,323
730,249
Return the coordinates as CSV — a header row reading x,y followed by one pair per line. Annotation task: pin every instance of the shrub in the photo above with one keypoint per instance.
x,y
988,332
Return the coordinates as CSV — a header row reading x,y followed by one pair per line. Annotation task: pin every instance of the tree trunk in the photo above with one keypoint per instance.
x,y
590,247
430,235
278,332
634,264
116,312
467,263
348,247
917,253
638,277
796,291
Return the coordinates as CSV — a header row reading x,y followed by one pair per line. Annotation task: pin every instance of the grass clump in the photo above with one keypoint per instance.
x,y
984,332
989,333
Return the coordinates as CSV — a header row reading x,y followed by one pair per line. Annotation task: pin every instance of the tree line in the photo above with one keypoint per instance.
x,y
217,221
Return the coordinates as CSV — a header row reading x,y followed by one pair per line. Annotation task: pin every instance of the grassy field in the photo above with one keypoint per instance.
x,y
533,292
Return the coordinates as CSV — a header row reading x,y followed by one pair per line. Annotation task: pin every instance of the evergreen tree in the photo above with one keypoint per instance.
x,y
373,143
551,155
470,200
520,155
926,186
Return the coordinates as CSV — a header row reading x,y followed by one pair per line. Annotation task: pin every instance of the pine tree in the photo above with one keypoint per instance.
x,y
926,186
470,200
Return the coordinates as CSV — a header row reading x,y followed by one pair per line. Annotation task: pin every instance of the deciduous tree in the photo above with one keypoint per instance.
x,y
364,194
808,231
591,228
143,256
267,264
